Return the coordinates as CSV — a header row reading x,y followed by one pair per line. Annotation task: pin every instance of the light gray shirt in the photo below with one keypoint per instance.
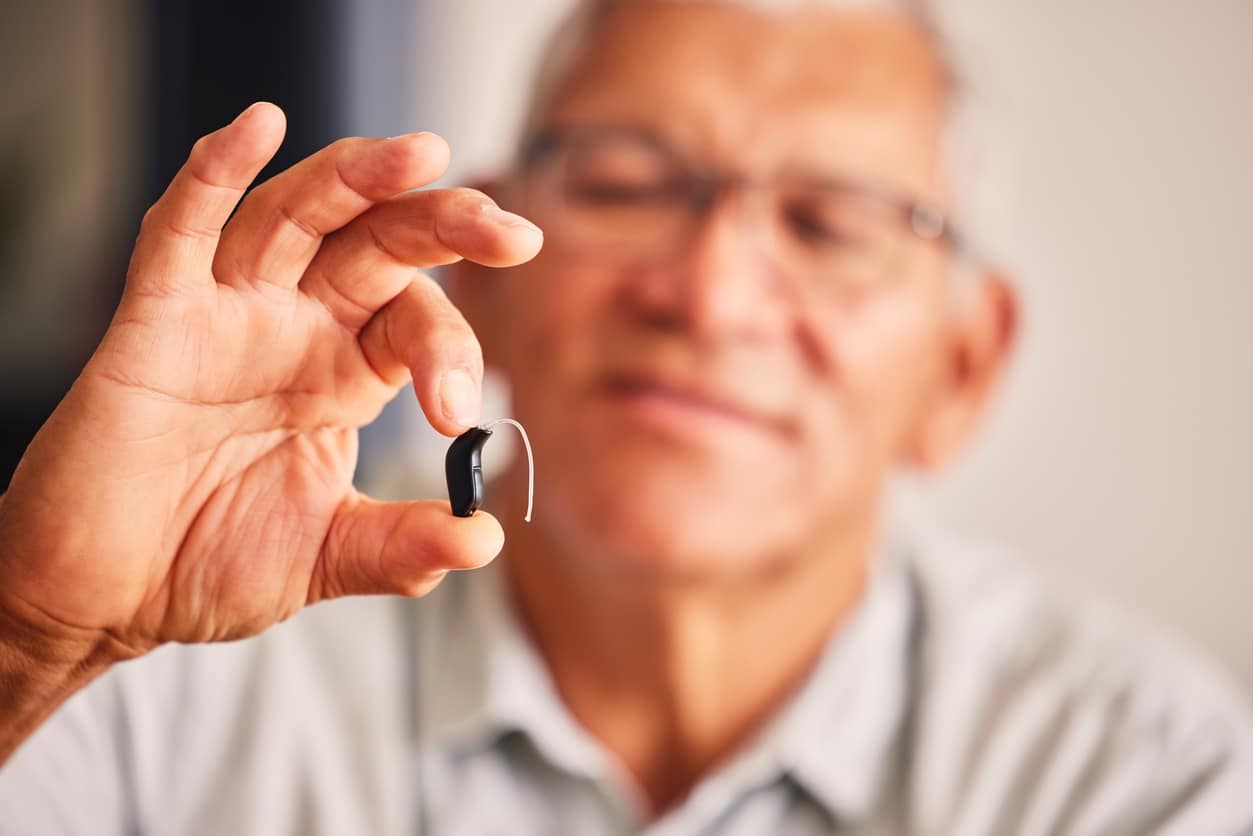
x,y
959,699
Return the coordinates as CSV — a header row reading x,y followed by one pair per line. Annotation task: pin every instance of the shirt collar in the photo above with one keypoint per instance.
x,y
481,677
839,737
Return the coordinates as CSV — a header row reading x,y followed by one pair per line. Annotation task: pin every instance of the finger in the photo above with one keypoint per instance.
x,y
278,229
180,232
400,548
421,335
362,267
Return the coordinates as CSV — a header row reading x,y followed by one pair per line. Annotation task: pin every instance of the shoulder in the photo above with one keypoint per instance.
x,y
1064,714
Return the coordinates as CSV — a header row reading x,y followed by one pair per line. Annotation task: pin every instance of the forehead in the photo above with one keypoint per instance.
x,y
860,90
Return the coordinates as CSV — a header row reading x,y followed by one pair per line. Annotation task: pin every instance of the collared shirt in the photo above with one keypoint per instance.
x,y
960,698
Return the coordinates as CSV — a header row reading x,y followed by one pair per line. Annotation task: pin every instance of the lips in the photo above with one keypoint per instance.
x,y
697,400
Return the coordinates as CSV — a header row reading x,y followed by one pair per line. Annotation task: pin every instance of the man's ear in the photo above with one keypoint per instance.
x,y
984,327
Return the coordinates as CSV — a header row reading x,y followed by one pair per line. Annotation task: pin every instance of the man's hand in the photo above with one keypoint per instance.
x,y
196,482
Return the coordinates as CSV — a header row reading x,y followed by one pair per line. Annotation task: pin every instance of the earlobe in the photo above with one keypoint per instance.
x,y
985,325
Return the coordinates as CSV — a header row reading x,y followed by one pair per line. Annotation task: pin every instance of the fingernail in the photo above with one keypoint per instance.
x,y
459,398
499,216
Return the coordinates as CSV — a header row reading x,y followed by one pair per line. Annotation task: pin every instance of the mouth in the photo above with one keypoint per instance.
x,y
674,406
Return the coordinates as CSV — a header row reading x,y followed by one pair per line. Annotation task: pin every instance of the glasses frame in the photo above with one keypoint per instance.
x,y
925,221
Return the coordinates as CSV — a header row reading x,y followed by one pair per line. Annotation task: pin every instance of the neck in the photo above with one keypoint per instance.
x,y
673,675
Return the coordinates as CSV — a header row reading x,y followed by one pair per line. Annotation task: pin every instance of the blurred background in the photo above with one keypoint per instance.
x,y
1120,459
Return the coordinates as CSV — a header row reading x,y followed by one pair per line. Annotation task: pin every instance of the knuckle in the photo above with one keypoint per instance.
x,y
331,579
460,334
346,145
379,242
201,147
151,218
304,227
454,343
160,221
403,162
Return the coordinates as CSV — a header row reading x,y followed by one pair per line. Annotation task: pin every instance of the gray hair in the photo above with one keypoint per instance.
x,y
966,151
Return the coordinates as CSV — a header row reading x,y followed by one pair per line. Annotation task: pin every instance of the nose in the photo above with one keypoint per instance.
x,y
720,283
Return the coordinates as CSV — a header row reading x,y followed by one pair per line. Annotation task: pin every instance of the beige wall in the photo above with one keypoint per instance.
x,y
1121,457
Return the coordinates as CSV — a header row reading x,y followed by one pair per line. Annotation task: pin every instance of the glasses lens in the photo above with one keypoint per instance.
x,y
835,233
619,192
622,196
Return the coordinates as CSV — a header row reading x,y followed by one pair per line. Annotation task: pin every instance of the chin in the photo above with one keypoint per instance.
x,y
669,529
646,497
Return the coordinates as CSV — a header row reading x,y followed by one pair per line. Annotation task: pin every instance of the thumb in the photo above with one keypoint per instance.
x,y
399,548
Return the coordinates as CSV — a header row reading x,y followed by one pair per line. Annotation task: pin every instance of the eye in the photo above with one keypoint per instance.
x,y
815,224
621,174
610,190
811,225
825,219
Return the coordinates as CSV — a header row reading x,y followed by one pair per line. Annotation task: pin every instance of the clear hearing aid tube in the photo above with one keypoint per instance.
x,y
530,461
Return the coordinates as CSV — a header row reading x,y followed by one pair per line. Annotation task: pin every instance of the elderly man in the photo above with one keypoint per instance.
x,y
751,307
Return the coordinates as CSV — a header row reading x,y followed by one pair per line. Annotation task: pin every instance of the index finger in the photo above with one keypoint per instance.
x,y
279,227
362,267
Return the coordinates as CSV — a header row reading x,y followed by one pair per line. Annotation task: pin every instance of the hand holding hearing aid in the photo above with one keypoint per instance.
x,y
196,482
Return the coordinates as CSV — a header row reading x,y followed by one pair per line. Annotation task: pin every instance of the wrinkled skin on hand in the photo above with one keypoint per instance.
x,y
196,482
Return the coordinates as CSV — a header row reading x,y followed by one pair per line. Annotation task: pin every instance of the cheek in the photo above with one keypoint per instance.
x,y
547,319
885,357
543,315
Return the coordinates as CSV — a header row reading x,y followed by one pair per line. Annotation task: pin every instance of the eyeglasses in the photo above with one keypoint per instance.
x,y
624,194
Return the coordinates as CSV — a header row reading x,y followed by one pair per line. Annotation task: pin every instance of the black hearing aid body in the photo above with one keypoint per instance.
x,y
463,467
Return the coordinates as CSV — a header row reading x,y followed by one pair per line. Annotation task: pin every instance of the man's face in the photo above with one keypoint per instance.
x,y
713,407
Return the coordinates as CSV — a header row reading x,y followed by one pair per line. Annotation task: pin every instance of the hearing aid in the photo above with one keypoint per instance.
x,y
463,468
